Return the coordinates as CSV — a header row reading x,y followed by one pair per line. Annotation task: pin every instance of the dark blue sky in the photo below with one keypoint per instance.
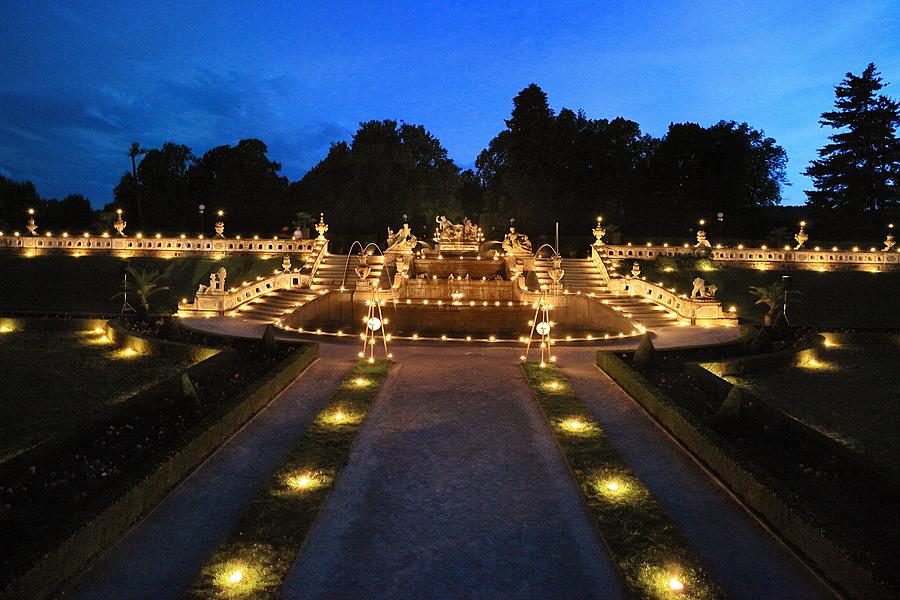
x,y
79,81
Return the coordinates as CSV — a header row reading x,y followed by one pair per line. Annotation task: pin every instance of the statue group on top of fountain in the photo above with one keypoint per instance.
x,y
401,241
516,243
448,231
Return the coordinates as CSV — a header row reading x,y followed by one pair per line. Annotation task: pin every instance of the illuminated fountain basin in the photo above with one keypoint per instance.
x,y
477,309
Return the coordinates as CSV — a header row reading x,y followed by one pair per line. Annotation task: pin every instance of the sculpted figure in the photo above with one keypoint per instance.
x,y
516,243
401,241
699,290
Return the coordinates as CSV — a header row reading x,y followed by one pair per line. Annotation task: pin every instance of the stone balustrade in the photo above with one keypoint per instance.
x,y
218,300
694,311
158,245
811,259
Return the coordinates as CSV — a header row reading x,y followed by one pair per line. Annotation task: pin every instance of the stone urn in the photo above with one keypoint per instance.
x,y
220,229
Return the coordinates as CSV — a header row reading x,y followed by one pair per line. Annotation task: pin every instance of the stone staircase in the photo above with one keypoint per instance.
x,y
582,276
331,271
273,305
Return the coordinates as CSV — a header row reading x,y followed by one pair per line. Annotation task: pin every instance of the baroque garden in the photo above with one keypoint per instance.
x,y
455,415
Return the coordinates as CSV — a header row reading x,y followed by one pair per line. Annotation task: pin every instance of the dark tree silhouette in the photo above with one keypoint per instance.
x,y
858,171
133,152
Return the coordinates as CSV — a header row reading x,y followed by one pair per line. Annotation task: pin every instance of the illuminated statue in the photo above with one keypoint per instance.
x,y
401,241
702,242
703,291
801,236
447,231
516,243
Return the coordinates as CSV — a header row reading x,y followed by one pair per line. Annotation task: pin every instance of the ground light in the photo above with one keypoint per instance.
x,y
612,486
301,482
574,424
5,329
235,577
361,382
675,584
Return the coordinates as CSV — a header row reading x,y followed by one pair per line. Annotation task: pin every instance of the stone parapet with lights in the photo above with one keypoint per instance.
x,y
156,245
765,258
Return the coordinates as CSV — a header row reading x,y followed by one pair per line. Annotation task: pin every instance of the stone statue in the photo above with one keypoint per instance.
x,y
219,229
402,263
222,273
888,243
448,231
599,231
636,269
119,224
516,243
31,225
699,288
321,227
703,291
801,236
401,241
702,242
286,263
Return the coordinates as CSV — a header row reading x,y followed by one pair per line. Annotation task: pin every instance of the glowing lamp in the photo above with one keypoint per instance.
x,y
612,486
543,328
675,585
235,577
374,324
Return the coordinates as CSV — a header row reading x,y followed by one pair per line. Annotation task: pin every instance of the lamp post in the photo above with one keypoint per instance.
x,y
720,216
201,208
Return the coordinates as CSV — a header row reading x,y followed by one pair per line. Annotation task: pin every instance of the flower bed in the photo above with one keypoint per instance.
x,y
66,501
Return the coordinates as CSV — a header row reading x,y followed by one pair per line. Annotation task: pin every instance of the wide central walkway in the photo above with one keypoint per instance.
x,y
455,489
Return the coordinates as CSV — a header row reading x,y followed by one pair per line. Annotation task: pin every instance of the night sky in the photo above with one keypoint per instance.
x,y
80,81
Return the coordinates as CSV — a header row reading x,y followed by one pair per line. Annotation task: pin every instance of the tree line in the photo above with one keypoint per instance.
x,y
543,167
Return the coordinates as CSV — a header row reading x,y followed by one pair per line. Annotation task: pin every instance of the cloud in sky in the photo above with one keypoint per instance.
x,y
80,81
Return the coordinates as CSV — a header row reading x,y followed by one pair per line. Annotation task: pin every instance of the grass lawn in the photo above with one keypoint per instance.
x,y
52,381
650,552
85,285
254,559
833,299
850,395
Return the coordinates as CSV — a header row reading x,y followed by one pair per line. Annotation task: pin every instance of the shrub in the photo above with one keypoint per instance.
x,y
189,390
268,344
762,342
730,409
645,355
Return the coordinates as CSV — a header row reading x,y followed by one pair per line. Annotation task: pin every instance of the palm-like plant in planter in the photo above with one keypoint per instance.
x,y
144,286
774,297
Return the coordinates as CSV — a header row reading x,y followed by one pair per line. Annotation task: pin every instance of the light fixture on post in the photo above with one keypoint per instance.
x,y
374,322
541,325
200,209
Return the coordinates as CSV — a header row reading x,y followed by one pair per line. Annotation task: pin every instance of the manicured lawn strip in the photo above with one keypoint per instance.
x,y
255,558
645,544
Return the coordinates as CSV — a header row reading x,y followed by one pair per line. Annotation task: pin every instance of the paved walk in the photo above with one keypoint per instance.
x,y
455,489
162,555
740,555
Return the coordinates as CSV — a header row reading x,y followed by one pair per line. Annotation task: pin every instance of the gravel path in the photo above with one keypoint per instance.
x,y
455,489
740,555
160,557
